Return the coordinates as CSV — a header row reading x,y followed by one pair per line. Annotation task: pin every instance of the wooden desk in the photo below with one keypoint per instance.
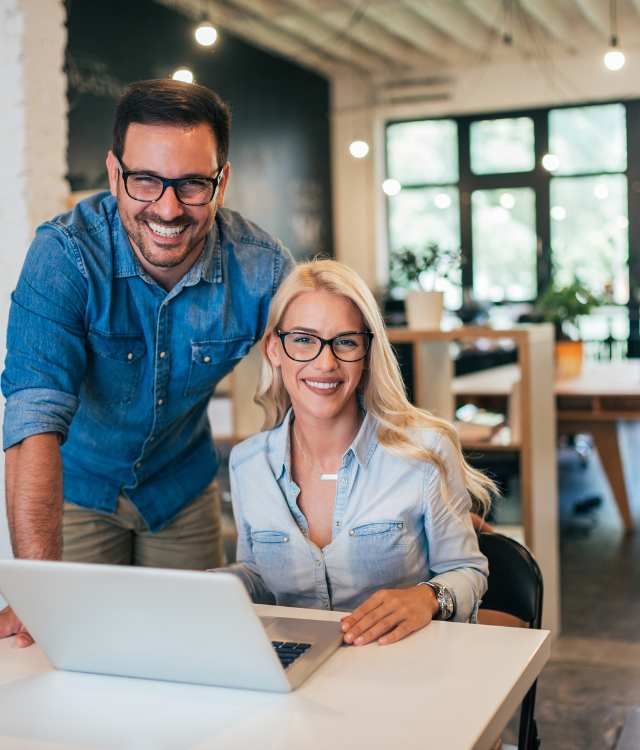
x,y
605,394
450,685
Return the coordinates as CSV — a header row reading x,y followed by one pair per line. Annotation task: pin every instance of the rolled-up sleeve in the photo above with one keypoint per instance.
x,y
455,559
245,566
46,354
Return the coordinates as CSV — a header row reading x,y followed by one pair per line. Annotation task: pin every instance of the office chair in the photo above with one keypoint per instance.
x,y
515,589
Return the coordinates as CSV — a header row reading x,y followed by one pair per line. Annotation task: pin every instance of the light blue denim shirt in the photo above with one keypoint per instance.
x,y
123,370
391,526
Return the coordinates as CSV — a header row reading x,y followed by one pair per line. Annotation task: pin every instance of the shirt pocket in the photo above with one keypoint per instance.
x,y
212,360
274,556
115,364
379,553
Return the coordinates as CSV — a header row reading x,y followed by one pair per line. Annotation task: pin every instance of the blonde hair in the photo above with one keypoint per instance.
x,y
381,387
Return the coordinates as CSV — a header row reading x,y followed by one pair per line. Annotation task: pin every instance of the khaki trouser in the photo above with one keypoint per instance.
x,y
193,540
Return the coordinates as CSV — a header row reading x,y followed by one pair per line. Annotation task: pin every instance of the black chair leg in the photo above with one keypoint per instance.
x,y
528,733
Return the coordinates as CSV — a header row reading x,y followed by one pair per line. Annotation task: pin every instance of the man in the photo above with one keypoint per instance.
x,y
128,311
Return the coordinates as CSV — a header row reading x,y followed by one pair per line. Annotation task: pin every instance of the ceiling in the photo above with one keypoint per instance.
x,y
395,40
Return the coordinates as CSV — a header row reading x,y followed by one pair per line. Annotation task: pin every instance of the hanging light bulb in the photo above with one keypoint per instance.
x,y
358,149
391,187
206,34
614,58
183,74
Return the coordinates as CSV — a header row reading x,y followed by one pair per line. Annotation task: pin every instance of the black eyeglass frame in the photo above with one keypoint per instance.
x,y
173,182
327,342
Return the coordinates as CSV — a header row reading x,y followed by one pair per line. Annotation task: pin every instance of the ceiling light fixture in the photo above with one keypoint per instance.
x,y
358,149
183,74
614,58
206,34
550,162
391,187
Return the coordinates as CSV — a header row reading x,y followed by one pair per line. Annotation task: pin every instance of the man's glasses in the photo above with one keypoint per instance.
x,y
191,191
304,347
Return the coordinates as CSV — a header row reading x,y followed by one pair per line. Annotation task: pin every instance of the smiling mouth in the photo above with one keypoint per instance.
x,y
323,385
166,231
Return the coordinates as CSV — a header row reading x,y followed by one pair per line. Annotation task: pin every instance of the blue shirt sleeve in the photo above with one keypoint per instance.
x,y
454,555
46,355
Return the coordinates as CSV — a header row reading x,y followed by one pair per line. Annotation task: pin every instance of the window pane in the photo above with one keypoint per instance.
x,y
589,139
421,153
504,145
423,216
503,223
589,233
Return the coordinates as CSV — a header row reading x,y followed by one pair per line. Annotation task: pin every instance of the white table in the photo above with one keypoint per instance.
x,y
450,686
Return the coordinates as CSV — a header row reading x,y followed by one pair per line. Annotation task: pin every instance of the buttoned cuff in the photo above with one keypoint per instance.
x,y
34,411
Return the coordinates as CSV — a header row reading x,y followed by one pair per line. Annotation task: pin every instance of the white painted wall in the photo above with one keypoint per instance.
x,y
33,144
359,204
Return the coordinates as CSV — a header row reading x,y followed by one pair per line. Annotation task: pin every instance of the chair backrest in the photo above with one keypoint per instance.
x,y
515,582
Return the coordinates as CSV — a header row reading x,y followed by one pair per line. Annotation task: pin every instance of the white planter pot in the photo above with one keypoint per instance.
x,y
424,309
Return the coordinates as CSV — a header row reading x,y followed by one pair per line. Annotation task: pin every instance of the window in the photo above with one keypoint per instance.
x,y
477,182
504,145
423,153
423,157
589,212
588,140
504,244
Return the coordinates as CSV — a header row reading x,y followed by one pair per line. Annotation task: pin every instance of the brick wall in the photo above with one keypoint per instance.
x,y
33,143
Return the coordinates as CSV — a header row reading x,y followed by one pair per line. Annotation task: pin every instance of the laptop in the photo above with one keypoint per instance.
x,y
160,624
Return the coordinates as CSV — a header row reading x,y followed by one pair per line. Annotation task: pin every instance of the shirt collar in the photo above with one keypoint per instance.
x,y
362,446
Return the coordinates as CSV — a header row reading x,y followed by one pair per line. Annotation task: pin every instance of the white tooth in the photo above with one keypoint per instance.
x,y
166,231
322,386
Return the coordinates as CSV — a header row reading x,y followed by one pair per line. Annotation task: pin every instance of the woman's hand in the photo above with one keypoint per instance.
x,y
11,625
389,615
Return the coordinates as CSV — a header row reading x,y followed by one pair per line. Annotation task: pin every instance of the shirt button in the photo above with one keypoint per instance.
x,y
206,359
138,465
151,439
162,355
130,356
160,401
285,539
352,533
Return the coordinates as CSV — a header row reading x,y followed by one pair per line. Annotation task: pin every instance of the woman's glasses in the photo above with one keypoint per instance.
x,y
304,347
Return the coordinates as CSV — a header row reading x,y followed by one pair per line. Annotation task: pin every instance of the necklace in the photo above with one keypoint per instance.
x,y
325,477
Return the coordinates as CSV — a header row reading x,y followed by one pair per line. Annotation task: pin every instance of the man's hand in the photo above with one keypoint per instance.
x,y
390,615
11,625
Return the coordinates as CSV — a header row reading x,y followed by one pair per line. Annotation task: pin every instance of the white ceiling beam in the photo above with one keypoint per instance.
x,y
368,33
269,39
406,25
454,20
597,13
286,18
549,15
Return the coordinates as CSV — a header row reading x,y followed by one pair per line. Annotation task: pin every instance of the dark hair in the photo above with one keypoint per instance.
x,y
169,102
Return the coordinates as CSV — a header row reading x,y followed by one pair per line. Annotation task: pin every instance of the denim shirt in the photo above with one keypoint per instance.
x,y
391,526
122,369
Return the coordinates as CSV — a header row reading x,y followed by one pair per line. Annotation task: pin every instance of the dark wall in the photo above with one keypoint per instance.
x,y
279,152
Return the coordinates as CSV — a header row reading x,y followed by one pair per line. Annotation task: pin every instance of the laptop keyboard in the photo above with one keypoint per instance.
x,y
289,651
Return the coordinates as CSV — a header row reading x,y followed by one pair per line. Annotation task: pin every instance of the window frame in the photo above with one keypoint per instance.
x,y
539,179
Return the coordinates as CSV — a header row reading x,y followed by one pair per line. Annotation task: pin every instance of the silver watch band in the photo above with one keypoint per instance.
x,y
444,597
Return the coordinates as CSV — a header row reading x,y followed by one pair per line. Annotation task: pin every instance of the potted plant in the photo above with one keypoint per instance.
x,y
419,271
562,305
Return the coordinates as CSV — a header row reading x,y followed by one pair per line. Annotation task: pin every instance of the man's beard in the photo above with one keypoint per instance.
x,y
154,255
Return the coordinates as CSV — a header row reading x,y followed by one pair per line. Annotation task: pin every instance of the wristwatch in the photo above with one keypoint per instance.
x,y
445,599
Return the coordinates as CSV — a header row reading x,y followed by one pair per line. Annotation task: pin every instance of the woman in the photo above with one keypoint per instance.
x,y
352,498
